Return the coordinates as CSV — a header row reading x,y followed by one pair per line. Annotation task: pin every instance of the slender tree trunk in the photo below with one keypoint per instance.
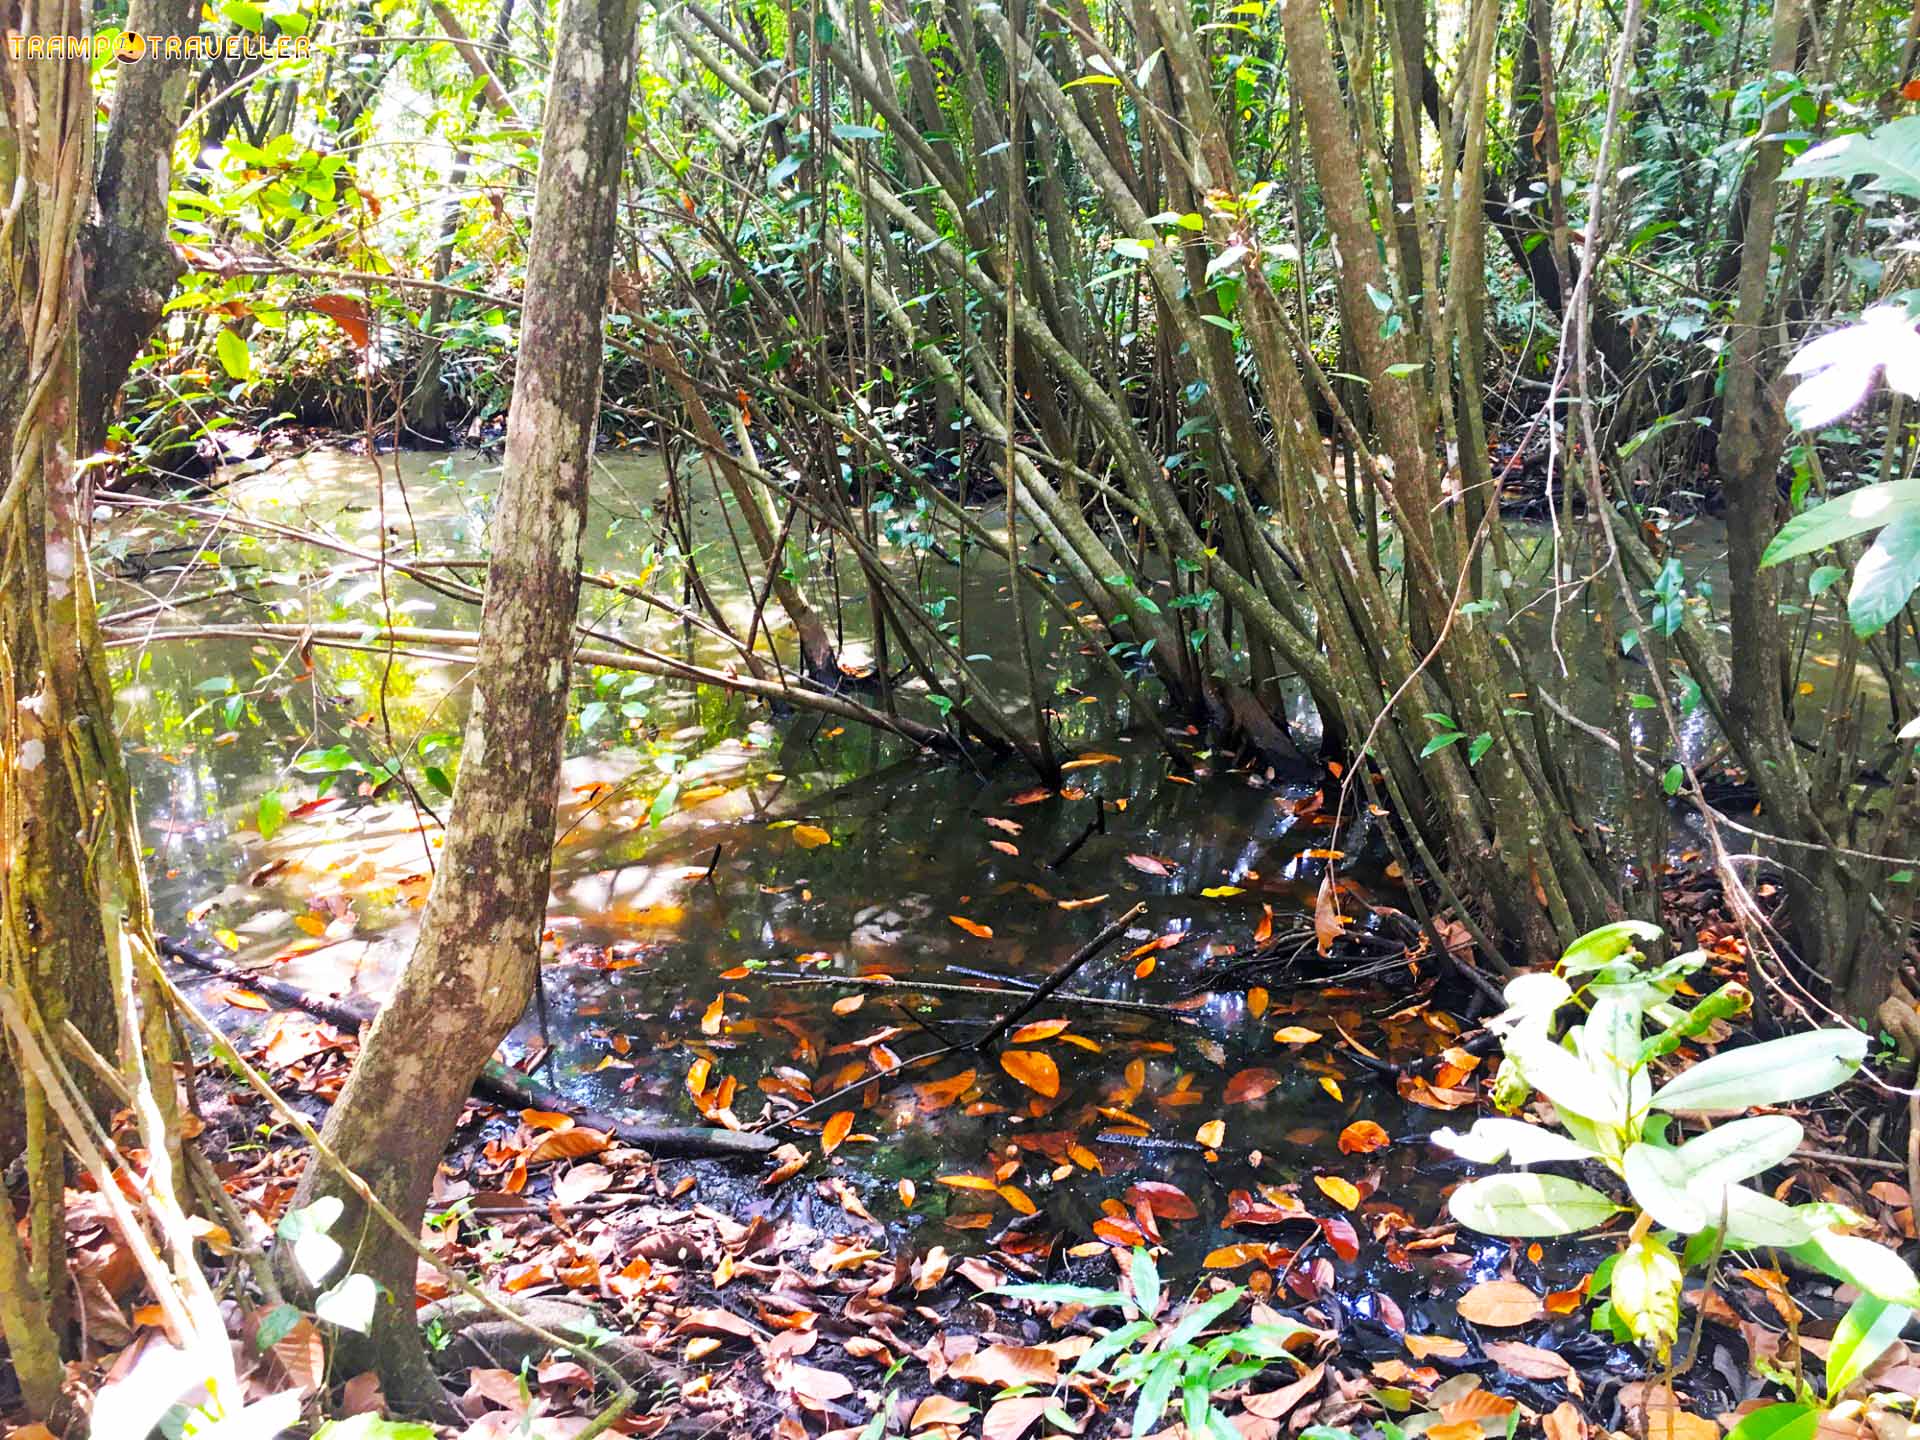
x,y
472,970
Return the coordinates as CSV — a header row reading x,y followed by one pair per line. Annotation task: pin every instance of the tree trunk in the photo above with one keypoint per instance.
x,y
472,969
130,267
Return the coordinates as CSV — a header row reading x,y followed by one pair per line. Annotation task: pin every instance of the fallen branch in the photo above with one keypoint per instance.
x,y
1066,972
501,1084
935,987
639,660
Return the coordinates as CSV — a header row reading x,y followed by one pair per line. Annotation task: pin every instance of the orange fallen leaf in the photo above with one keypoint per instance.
x,y
1034,1069
1250,1085
1035,1031
837,1129
1211,1134
973,927
1362,1137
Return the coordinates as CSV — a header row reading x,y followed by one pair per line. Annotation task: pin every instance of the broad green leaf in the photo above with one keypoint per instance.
x,y
1861,1263
1563,1078
1659,1185
305,1230
1534,996
1890,154
1524,1205
1770,1073
1739,1149
1884,580
1601,947
272,814
236,357
1854,513
1786,1421
349,1304
1863,1335
1495,1138
1754,1218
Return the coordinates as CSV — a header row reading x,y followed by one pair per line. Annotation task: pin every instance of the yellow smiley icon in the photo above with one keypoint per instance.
x,y
132,46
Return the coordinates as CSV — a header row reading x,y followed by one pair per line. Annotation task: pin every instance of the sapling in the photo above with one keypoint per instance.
x,y
1598,1073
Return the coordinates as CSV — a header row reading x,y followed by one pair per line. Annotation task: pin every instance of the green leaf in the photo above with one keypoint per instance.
x,y
1890,154
1863,1335
1495,1138
1854,513
1404,368
1111,1344
272,814
1200,1316
1659,1185
1861,1263
236,357
1440,742
855,132
1153,1396
315,1252
1740,1149
1523,1205
274,1327
373,1427
1646,1293
1673,779
1884,580
1602,947
1771,1073
1062,1294
1481,744
1786,1421
349,1304
1146,1282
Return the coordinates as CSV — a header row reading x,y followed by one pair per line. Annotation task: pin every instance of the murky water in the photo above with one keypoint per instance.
x,y
697,943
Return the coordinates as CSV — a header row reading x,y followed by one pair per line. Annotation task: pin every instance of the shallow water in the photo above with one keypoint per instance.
x,y
795,845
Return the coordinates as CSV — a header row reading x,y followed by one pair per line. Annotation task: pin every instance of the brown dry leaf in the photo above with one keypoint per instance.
x,y
303,1356
817,1387
1425,1347
938,1409
1164,1201
1211,1134
1250,1085
973,927
570,1144
1296,1035
1010,1419
1327,919
581,1182
1005,847
1257,997
1456,1430
836,1130
1529,1362
1564,1422
715,1321
1034,1069
715,1017
349,312
1362,1137
967,1182
1018,1199
242,999
1278,1404
1500,1304
1232,1257
1148,865
1004,1365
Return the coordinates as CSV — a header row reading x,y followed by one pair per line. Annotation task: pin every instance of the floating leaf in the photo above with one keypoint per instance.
x,y
1250,1085
973,927
810,837
1034,1069
1362,1137
1499,1304
1342,1192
